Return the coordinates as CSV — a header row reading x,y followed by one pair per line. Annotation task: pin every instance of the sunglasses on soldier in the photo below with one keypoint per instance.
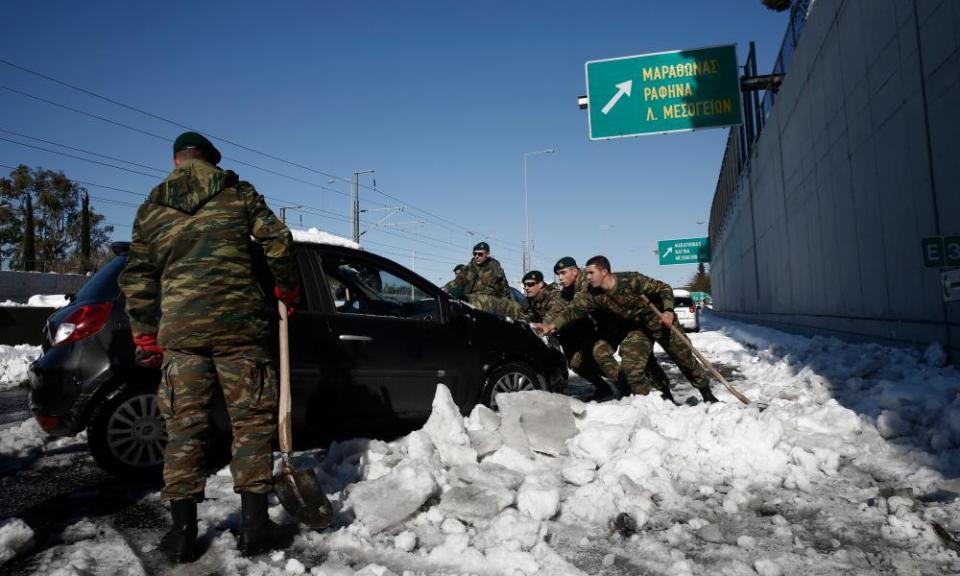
x,y
479,253
530,283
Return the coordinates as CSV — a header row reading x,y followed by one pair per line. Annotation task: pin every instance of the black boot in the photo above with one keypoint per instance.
x,y
667,395
708,395
258,533
179,545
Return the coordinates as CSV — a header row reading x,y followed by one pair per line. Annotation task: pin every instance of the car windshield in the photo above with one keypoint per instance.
x,y
103,286
682,302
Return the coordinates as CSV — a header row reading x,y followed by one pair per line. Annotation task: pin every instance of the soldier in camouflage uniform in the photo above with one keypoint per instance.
x,y
623,294
541,297
484,285
457,271
195,307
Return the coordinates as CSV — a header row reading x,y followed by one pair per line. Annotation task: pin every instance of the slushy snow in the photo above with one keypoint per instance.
x,y
844,462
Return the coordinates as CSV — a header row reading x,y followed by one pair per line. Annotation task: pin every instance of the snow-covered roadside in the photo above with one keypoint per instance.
x,y
14,363
843,464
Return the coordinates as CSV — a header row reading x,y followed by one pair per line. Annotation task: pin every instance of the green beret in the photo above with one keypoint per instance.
x,y
189,140
565,262
458,267
481,247
534,275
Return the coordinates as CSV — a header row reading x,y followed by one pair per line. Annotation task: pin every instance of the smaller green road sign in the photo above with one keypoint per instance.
x,y
940,251
933,252
684,251
663,92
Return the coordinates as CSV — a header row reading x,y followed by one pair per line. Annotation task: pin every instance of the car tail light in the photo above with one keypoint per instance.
x,y
47,422
83,322
693,309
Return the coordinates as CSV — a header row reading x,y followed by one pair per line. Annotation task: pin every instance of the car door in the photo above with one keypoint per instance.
x,y
394,345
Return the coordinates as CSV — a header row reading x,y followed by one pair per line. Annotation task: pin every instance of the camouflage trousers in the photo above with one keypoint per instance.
x,y
583,364
651,377
496,305
636,353
249,382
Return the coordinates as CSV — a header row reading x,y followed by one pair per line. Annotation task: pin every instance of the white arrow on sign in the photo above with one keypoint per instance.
x,y
622,88
667,252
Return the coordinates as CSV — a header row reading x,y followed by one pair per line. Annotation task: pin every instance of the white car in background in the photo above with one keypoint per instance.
x,y
688,314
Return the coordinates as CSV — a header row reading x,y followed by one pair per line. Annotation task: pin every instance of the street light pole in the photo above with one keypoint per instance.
x,y
356,203
283,212
526,213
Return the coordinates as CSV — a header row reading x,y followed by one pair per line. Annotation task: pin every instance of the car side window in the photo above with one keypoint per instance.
x,y
360,287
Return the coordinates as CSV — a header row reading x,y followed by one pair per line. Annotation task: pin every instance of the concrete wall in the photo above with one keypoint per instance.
x,y
859,160
19,286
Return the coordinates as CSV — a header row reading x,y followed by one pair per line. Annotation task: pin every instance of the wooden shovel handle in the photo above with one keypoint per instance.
x,y
706,363
285,428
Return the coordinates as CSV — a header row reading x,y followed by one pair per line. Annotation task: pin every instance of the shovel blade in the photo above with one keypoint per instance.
x,y
301,494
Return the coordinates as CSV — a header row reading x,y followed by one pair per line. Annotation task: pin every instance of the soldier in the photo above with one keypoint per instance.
x,y
623,294
196,310
610,332
541,297
484,285
457,271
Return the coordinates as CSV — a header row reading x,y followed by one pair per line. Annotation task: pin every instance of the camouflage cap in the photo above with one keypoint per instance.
x,y
194,140
481,247
565,262
458,267
535,275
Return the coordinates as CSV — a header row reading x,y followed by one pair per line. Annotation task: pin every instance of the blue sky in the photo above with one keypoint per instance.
x,y
442,99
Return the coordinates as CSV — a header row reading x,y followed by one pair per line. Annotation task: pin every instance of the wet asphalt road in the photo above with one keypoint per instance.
x,y
14,406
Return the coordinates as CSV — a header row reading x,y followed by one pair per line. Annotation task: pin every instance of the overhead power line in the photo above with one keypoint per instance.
x,y
506,244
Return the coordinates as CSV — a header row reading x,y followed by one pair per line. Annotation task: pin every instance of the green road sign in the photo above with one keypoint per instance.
x,y
699,296
684,251
932,252
663,92
951,250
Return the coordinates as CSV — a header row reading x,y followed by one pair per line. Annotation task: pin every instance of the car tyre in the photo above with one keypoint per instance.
x,y
126,434
510,377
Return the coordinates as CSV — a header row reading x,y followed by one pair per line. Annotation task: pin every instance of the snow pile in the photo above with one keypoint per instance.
x,y
317,236
48,300
11,304
845,462
15,363
15,537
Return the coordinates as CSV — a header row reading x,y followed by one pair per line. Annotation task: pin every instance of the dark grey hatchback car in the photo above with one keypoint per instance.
x,y
369,343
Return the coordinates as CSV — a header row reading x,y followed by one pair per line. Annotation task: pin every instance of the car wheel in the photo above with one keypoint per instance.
x,y
126,434
510,377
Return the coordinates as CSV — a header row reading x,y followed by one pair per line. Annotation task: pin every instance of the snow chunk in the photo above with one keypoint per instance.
x,y
473,503
317,236
446,429
536,420
509,528
487,474
391,499
295,566
15,537
539,498
405,541
15,364
767,567
599,444
579,472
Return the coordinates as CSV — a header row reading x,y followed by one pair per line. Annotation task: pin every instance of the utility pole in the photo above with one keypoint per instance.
x,y
356,203
526,214
283,213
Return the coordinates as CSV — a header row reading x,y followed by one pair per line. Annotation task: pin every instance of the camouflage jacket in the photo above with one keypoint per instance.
x,y
486,279
624,301
539,308
189,274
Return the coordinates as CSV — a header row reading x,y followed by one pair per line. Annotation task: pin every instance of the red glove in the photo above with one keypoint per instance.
x,y
288,297
149,354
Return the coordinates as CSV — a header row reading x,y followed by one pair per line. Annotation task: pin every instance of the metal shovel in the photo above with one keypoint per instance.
x,y
299,491
706,363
